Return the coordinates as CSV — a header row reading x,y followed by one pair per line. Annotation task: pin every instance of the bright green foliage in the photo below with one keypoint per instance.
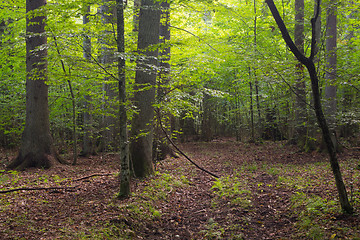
x,y
232,190
212,52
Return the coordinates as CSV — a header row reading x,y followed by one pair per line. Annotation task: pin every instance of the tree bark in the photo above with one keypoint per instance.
x,y
124,144
36,143
330,76
207,123
88,147
309,64
145,81
300,88
256,82
110,129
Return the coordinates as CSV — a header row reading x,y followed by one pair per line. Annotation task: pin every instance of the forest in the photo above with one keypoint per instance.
x,y
179,119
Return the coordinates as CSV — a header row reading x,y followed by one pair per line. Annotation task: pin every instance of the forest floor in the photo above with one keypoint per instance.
x,y
265,191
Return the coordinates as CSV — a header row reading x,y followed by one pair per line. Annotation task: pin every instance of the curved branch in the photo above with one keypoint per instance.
x,y
181,152
285,33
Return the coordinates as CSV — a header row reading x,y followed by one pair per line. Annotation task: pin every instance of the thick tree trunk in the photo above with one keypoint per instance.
x,y
145,81
309,64
36,144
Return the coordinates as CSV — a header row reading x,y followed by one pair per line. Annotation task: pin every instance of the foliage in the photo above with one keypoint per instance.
x,y
232,190
212,51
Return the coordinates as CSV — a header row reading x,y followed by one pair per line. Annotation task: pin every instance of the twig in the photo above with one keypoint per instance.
x,y
36,189
181,152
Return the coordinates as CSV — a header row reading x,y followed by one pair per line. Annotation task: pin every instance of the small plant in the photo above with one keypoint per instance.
x,y
213,230
313,212
233,190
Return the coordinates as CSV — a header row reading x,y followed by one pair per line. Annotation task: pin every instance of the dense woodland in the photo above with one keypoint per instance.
x,y
138,80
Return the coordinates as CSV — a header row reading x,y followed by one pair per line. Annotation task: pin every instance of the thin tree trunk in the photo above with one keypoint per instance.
x,y
251,112
88,140
124,144
309,64
256,82
110,130
330,75
300,88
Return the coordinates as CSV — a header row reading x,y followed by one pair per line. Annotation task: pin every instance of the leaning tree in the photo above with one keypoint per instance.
x,y
308,62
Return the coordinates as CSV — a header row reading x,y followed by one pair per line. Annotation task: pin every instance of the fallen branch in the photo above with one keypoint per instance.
x,y
93,175
55,188
181,152
36,189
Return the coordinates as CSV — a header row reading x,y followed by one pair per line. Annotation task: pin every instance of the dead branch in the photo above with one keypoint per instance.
x,y
36,189
55,188
181,152
92,175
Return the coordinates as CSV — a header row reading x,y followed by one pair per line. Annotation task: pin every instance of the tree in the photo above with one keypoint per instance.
x,y
300,88
145,81
309,64
88,141
124,145
36,144
330,76
110,130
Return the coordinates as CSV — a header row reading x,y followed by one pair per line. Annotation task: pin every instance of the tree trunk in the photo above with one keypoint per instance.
x,y
300,133
164,53
88,146
36,144
124,145
330,76
207,124
309,64
256,82
145,81
110,130
251,113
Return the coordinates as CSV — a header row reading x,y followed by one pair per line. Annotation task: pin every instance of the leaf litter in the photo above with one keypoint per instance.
x,y
266,191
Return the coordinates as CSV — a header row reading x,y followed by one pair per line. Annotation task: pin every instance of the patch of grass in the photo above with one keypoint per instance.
x,y
144,206
314,215
252,167
213,230
233,190
301,177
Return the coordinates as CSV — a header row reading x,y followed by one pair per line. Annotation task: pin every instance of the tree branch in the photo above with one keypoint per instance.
x,y
36,189
178,149
93,175
313,31
285,33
